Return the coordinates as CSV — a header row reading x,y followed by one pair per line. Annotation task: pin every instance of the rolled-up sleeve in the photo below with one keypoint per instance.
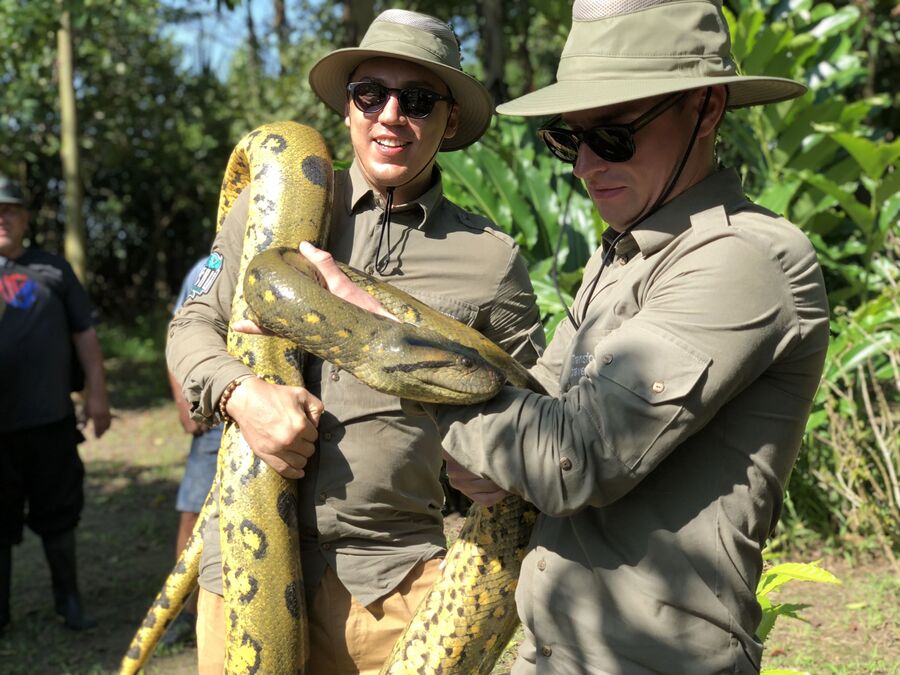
x,y
515,321
196,349
651,383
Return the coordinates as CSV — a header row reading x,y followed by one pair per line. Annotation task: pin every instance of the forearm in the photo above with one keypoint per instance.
x,y
90,355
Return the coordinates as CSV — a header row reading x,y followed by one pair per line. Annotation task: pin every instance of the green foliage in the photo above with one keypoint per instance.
x,y
531,196
775,577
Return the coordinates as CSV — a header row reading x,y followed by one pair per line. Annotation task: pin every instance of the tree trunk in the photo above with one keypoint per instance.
x,y
282,31
358,14
254,63
75,241
494,49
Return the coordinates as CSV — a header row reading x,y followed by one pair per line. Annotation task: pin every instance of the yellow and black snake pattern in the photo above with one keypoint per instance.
x,y
469,614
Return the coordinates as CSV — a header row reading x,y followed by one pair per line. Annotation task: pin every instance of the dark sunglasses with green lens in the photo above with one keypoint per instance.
x,y
415,102
610,142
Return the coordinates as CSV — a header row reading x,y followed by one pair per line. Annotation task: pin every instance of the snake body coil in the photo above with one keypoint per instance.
x,y
469,614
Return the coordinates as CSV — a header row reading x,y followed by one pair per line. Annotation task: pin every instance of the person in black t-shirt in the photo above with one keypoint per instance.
x,y
48,348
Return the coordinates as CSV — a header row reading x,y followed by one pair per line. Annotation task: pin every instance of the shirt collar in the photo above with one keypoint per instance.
x,y
361,196
722,188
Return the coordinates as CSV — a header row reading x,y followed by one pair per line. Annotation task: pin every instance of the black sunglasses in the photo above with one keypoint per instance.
x,y
415,102
611,142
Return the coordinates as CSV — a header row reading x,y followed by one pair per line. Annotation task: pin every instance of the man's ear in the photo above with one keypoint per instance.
x,y
347,114
715,110
452,122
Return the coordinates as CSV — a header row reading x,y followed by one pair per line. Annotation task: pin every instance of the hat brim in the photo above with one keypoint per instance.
x,y
330,75
575,95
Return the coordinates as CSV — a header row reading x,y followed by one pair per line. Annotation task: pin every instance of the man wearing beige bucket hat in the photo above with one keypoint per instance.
x,y
683,378
370,514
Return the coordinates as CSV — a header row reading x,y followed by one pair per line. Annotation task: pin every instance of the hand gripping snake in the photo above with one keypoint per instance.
x,y
468,616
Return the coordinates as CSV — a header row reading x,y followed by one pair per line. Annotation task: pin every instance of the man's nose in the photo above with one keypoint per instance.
x,y
588,162
391,113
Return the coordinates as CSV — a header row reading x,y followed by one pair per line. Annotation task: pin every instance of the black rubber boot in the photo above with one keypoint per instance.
x,y
60,552
5,580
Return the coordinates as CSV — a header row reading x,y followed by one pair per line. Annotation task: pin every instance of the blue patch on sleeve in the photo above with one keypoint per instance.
x,y
208,275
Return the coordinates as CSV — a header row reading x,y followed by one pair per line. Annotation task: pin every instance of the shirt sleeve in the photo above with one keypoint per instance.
x,y
652,383
514,321
196,349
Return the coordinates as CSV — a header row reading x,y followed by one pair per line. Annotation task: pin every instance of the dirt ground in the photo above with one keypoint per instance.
x,y
126,543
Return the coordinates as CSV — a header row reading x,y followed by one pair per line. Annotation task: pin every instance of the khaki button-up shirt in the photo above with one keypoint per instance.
x,y
370,503
659,469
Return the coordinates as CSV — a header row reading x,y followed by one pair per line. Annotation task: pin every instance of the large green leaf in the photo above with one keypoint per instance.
x,y
873,156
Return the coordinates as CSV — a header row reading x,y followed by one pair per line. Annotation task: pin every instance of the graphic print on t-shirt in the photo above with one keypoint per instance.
x,y
18,290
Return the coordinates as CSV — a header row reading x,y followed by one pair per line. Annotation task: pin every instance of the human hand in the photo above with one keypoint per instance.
x,y
332,278
480,490
278,422
96,409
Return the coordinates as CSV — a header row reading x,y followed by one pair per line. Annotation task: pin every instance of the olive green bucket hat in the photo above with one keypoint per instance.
x,y
418,38
623,50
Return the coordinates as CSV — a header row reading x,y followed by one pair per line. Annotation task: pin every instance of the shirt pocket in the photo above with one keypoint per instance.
x,y
645,379
462,311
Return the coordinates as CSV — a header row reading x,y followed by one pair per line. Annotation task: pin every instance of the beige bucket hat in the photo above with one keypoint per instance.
x,y
623,50
421,39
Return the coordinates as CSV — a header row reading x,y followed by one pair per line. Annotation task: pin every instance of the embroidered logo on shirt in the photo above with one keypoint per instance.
x,y
580,363
208,275
18,290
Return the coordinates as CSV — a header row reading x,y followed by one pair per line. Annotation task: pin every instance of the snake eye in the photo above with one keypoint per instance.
x,y
466,362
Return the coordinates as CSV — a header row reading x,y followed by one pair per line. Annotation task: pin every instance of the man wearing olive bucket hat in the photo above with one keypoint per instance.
x,y
370,499
683,377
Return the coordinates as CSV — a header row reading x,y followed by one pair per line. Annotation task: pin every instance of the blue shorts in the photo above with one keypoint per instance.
x,y
199,471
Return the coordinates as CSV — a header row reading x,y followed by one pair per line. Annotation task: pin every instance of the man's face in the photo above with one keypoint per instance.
x,y
622,191
13,225
395,150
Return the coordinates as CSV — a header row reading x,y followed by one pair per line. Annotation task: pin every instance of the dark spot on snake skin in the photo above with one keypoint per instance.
x,y
264,169
228,496
180,566
253,471
229,532
248,641
264,205
287,508
274,143
163,599
292,599
294,357
149,620
250,359
253,134
253,584
260,552
276,379
134,652
233,618
460,611
316,170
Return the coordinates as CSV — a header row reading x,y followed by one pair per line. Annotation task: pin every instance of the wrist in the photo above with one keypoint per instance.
x,y
227,395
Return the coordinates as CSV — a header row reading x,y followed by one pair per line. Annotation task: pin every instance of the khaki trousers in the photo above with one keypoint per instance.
x,y
345,637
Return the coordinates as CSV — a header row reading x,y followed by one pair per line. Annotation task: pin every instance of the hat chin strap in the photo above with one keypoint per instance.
x,y
670,185
382,263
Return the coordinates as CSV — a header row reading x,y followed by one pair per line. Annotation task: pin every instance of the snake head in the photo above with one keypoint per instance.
x,y
436,370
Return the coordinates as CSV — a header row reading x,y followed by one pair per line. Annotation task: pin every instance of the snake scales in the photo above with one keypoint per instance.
x,y
469,614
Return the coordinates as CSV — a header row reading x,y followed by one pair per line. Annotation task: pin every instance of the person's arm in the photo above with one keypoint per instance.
x,y
278,422
188,423
96,400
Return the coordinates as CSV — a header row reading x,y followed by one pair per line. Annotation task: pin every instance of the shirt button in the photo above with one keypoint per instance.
x,y
621,260
370,269
565,464
606,359
542,564
326,436
322,497
546,651
658,387
335,376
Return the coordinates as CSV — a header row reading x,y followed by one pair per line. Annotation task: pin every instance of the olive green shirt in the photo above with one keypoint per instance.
x,y
659,463
370,502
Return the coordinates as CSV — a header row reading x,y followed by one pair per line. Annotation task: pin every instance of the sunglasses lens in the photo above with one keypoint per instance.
x,y
613,144
563,144
417,102
369,96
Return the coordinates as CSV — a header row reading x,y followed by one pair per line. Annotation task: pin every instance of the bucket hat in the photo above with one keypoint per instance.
x,y
418,38
623,50
10,192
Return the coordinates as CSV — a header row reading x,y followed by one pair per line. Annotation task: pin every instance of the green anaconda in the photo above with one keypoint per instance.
x,y
469,614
